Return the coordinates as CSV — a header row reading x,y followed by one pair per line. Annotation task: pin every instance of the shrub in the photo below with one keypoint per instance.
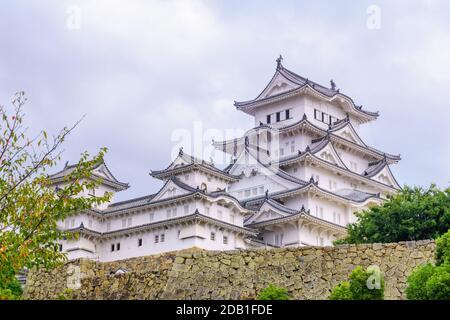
x,y
443,249
341,292
10,288
362,285
272,292
432,282
416,289
414,213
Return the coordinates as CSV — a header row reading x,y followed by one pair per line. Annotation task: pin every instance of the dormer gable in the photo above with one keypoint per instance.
x,y
171,189
325,150
385,176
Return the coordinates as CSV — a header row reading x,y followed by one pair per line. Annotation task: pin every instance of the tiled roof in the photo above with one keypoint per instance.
x,y
346,194
305,121
300,83
68,169
192,162
157,224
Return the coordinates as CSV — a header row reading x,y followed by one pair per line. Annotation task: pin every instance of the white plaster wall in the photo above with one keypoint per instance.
x,y
297,104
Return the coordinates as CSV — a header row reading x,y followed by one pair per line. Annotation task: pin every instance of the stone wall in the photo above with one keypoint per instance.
x,y
307,273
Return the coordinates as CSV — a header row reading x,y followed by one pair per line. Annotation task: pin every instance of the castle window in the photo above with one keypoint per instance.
x,y
118,246
278,116
140,242
213,236
268,119
324,117
178,234
60,247
288,114
225,240
163,237
156,238
112,247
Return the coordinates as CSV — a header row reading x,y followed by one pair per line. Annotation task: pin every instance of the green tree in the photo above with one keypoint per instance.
x,y
432,282
362,285
272,292
29,205
411,214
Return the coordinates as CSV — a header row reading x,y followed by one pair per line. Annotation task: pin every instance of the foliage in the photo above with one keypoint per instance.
x,y
443,249
341,292
362,285
432,282
12,290
29,204
411,214
272,292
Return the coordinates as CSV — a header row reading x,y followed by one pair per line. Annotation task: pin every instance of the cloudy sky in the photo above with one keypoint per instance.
x,y
145,71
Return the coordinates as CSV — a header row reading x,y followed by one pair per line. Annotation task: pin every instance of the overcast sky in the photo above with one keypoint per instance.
x,y
142,70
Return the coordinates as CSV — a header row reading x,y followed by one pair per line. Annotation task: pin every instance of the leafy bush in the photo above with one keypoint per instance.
x,y
416,280
432,282
411,214
443,249
272,292
362,285
341,292
10,290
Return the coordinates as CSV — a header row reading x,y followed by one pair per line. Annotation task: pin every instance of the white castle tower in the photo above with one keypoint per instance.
x,y
311,170
296,179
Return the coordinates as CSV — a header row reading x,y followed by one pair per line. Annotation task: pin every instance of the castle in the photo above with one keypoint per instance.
x,y
295,179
